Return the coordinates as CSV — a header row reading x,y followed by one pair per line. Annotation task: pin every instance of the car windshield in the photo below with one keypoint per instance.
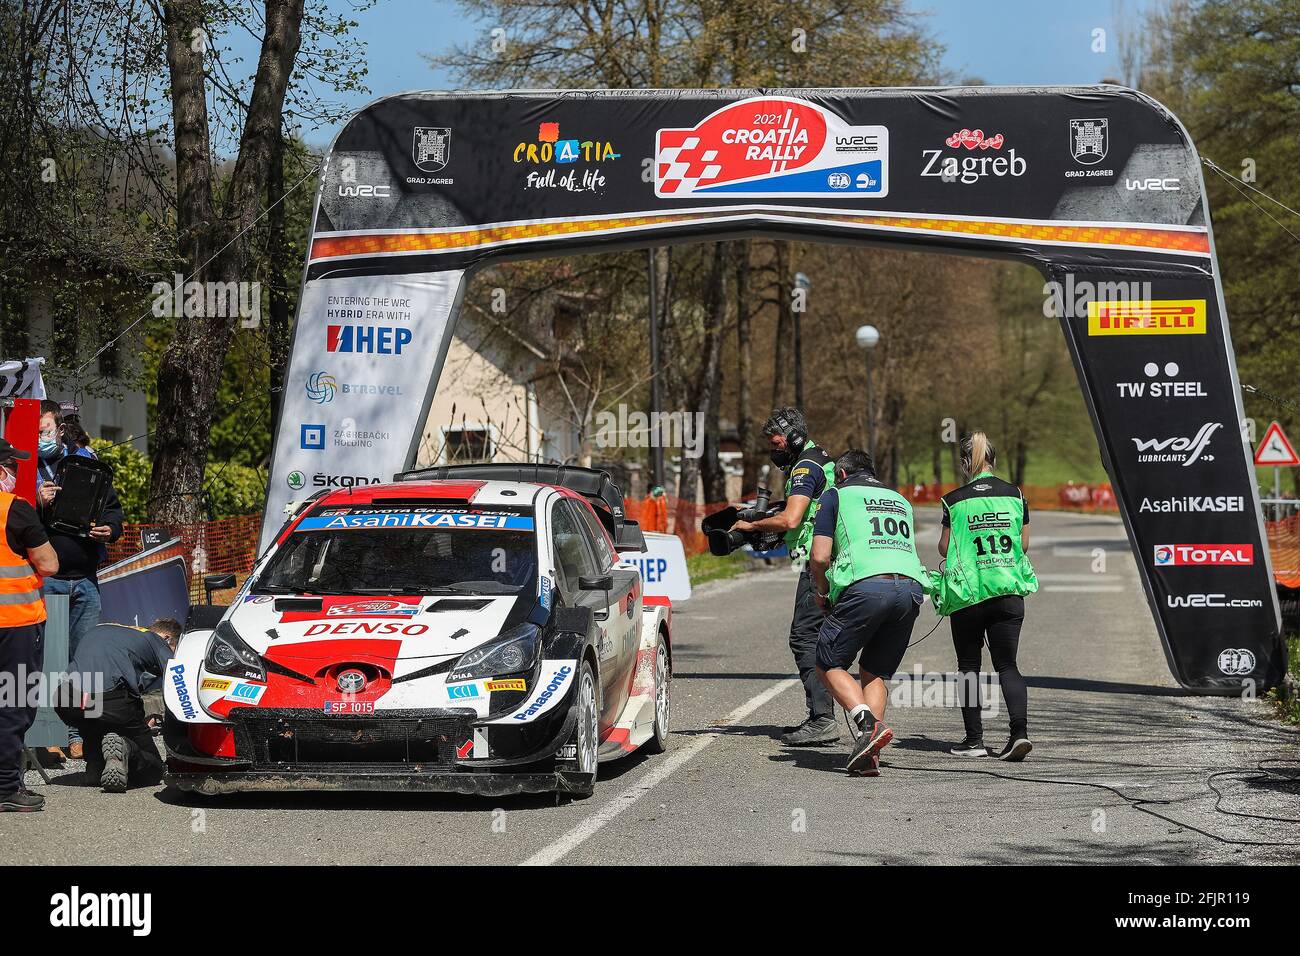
x,y
404,551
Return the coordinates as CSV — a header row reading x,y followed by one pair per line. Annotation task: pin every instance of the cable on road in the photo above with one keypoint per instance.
x,y
1143,805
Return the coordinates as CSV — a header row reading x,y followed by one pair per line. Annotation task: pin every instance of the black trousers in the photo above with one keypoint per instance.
x,y
22,653
121,714
998,622
805,628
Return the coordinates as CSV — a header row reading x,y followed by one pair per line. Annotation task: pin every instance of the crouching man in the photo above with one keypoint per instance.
x,y
119,746
867,576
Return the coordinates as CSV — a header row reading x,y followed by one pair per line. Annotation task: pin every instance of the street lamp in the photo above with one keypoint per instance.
x,y
803,284
868,337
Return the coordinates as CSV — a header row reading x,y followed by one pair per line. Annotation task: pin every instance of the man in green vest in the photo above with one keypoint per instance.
x,y
809,472
866,571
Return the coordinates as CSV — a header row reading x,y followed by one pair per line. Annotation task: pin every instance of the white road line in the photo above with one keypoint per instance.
x,y
1087,588
671,763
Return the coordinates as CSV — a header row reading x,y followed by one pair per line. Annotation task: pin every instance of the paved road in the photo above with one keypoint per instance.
x,y
1103,711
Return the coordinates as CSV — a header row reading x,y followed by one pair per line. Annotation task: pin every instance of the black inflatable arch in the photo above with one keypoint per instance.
x,y
1099,187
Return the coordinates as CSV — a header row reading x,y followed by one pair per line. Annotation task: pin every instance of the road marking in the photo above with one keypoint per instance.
x,y
673,762
1087,588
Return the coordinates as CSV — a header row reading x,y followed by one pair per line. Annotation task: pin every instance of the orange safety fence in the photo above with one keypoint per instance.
x,y
1284,545
229,545
223,546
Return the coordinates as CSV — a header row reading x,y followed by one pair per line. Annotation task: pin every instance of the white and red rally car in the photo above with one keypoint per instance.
x,y
466,628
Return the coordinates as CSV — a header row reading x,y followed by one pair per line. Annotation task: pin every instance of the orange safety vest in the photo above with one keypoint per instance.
x,y
21,602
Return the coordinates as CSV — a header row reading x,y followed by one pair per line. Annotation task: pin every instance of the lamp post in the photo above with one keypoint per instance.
x,y
804,284
868,337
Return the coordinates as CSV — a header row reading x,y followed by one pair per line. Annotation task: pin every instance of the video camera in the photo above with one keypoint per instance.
x,y
723,541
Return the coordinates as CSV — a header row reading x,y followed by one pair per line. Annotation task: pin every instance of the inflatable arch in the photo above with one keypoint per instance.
x,y
1100,188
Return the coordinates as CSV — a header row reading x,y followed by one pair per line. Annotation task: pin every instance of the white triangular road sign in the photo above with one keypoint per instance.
x,y
1276,449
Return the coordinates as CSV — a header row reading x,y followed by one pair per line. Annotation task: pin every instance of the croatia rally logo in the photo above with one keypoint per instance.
x,y
772,147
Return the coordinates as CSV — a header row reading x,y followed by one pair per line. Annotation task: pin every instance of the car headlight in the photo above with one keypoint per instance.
x,y
518,649
229,656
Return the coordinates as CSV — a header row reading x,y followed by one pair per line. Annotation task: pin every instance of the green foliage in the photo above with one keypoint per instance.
x,y
708,567
232,489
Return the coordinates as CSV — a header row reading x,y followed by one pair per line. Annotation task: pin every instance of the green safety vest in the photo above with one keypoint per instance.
x,y
799,539
985,558
875,533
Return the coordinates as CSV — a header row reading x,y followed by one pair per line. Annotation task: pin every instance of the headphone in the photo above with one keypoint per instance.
x,y
795,438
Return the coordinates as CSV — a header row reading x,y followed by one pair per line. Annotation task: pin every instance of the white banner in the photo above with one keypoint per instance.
x,y
662,566
366,356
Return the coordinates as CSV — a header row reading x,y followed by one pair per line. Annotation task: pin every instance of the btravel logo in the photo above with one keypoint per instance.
x,y
1178,450
75,909
1200,555
963,167
321,387
772,147
1164,382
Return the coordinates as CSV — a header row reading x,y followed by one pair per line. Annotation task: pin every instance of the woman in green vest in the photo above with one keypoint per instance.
x,y
984,543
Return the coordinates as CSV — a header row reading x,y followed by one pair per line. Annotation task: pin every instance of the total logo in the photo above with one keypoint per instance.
x,y
1236,661
371,339
972,168
1201,600
1165,384
772,147
1180,450
1201,555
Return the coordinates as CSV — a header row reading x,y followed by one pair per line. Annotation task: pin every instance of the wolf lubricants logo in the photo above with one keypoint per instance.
x,y
772,147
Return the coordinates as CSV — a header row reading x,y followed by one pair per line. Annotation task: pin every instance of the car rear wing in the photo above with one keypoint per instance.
x,y
593,484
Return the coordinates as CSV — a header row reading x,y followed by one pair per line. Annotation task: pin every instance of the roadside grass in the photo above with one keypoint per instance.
x,y
707,567
1286,700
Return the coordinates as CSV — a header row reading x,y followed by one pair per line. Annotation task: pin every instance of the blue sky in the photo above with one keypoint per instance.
x,y
1002,42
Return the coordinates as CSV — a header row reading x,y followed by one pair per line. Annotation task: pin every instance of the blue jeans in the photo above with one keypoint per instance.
x,y
83,614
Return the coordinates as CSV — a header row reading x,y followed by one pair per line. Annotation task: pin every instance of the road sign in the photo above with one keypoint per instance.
x,y
1276,449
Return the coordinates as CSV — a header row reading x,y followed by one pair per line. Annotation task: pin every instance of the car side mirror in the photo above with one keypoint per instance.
x,y
217,582
601,582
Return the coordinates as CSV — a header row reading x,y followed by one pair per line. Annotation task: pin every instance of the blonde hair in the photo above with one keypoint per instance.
x,y
977,454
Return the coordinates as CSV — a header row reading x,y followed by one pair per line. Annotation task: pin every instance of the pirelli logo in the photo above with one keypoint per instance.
x,y
1153,317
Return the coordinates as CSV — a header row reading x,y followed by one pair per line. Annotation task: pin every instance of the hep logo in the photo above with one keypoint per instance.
x,y
373,339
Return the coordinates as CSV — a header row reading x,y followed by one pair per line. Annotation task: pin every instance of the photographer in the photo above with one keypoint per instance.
x,y
866,570
79,556
809,472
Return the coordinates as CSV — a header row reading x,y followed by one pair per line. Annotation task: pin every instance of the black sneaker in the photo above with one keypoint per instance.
x,y
814,733
970,748
116,757
864,756
21,801
1017,749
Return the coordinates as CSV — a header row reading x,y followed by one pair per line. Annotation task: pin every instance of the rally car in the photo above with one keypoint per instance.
x,y
466,628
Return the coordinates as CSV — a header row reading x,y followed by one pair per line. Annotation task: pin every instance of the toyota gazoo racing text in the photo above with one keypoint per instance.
x,y
465,628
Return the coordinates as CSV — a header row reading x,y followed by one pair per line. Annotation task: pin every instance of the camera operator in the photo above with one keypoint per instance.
x,y
866,570
79,557
809,472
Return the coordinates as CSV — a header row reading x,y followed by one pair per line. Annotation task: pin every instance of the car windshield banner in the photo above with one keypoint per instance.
x,y
1097,187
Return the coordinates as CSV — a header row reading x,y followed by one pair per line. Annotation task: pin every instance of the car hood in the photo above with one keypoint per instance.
x,y
396,628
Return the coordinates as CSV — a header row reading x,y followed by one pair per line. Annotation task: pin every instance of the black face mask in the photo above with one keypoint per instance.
x,y
782,457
